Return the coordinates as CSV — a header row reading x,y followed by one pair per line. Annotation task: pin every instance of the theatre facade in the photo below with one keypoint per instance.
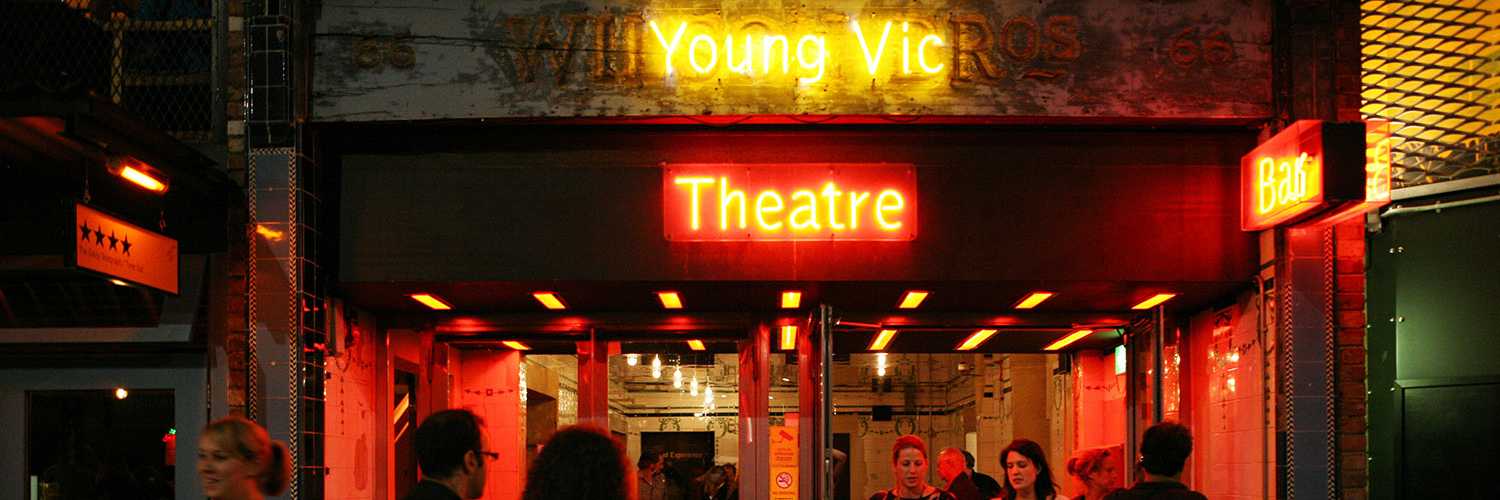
x,y
779,236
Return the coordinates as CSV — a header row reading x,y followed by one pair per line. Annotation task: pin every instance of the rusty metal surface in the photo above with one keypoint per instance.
x,y
380,60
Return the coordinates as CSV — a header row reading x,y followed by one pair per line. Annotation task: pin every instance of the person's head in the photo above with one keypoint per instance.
x,y
579,462
951,464
909,462
968,460
237,459
1026,468
649,462
730,472
1165,448
450,450
1095,468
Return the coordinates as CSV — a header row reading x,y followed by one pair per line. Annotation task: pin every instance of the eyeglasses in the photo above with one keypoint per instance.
x,y
492,455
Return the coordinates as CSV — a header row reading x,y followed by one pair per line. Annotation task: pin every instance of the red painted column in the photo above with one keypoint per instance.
x,y
809,411
754,419
593,382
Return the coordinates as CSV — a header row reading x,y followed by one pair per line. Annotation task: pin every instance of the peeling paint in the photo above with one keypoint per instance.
x,y
411,60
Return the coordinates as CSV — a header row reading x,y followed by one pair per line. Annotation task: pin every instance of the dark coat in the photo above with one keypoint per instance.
x,y
963,488
1156,490
429,490
988,486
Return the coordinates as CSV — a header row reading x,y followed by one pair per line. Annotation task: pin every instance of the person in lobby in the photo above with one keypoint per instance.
x,y
1164,450
237,460
451,456
649,482
953,470
1027,476
909,467
1095,468
988,486
579,463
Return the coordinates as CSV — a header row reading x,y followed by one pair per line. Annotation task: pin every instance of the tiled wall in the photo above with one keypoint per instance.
x,y
350,420
1228,403
489,383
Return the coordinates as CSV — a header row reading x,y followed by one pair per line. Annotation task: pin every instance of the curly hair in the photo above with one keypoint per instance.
x,y
1045,487
1087,462
580,463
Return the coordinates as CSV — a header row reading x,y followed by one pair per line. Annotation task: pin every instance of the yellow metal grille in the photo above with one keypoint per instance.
x,y
1433,69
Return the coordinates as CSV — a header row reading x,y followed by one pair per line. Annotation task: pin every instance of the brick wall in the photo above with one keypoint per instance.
x,y
1349,307
235,342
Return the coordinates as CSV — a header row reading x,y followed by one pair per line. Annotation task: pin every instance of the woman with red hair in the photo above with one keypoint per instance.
x,y
909,467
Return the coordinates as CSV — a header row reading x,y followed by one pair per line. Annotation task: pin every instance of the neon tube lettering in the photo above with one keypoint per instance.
x,y
713,57
693,183
725,198
810,209
881,207
831,193
922,53
872,62
817,63
855,200
761,208
669,47
770,43
744,67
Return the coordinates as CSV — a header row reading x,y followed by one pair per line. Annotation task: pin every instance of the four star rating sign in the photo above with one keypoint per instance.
x,y
108,245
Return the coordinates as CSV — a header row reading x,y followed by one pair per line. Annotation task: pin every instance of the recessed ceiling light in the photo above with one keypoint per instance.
x,y
788,337
431,301
516,345
881,339
670,300
912,299
1071,338
696,345
977,338
1154,301
1033,299
549,300
791,299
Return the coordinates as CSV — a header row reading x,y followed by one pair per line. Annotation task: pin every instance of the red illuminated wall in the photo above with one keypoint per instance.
x,y
1224,390
1099,407
488,383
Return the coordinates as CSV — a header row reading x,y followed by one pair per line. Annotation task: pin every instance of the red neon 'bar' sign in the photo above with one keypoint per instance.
x,y
789,202
1312,167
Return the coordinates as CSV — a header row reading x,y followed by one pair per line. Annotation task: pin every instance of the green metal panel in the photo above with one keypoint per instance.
x,y
1433,295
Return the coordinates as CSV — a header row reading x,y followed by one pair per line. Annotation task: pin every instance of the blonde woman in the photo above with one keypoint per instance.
x,y
237,460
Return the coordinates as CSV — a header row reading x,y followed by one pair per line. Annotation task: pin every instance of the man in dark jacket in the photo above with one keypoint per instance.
x,y
951,467
988,486
1164,449
450,452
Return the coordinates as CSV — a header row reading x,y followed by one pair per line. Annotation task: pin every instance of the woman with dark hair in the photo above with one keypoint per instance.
x,y
909,467
581,463
1027,476
1095,468
237,460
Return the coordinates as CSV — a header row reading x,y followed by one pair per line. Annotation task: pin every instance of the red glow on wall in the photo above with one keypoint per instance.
x,y
789,202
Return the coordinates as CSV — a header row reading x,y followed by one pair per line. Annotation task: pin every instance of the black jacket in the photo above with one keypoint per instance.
x,y
988,487
1156,490
963,488
429,490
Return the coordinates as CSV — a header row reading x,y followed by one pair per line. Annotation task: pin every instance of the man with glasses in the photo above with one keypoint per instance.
x,y
450,452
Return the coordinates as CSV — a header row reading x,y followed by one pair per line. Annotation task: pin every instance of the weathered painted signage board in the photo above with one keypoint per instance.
x,y
444,59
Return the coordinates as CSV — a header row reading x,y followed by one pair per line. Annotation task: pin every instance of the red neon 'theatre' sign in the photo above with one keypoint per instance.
x,y
789,202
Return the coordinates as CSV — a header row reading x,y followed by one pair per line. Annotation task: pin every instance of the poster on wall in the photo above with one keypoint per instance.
x,y
783,462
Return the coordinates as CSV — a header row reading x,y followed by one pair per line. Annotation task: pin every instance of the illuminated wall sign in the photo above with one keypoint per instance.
x,y
1315,168
786,202
593,58
108,245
